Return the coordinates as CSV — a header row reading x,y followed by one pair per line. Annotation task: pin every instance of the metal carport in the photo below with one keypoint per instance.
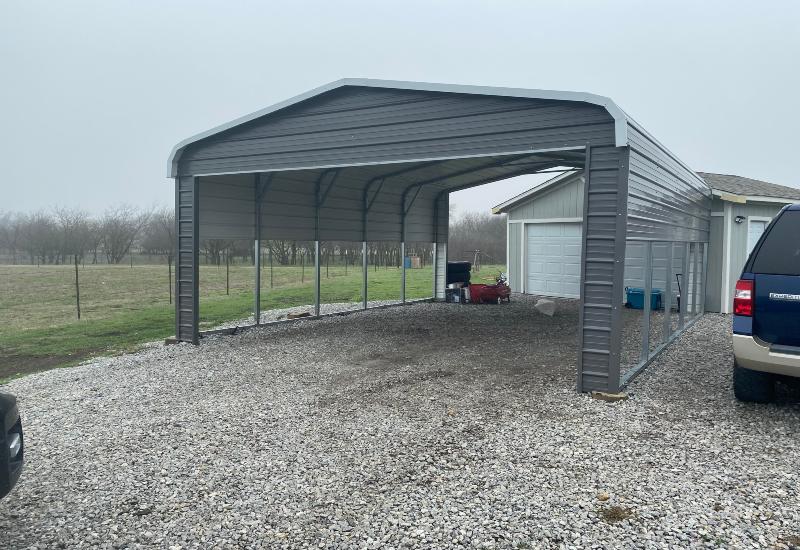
x,y
372,160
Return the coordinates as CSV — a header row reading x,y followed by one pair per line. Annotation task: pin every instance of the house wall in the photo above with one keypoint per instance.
x,y
563,202
738,244
716,258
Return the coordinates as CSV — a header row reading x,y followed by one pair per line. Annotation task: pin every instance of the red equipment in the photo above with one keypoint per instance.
x,y
490,294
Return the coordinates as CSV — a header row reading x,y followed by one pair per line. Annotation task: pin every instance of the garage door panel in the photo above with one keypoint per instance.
x,y
553,259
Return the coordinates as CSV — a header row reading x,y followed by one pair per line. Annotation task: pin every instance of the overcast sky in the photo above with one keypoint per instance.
x,y
93,95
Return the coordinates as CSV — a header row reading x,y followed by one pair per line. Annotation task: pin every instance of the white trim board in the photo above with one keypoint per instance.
x,y
727,237
547,220
742,199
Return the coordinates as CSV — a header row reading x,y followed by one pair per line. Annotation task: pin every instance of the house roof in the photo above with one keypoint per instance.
x,y
525,196
739,185
727,183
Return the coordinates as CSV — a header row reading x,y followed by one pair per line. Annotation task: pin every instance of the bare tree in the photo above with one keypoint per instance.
x,y
120,227
39,235
478,231
159,234
74,233
11,233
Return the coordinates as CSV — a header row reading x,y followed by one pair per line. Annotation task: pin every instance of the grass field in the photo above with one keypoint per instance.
x,y
122,307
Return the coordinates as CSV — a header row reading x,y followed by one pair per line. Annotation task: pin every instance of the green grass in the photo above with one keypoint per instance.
x,y
123,307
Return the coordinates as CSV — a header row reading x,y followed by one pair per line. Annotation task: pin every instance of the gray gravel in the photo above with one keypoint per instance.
x,y
432,425
272,315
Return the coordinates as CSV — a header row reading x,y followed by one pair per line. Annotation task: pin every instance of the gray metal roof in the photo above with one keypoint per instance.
x,y
740,185
621,120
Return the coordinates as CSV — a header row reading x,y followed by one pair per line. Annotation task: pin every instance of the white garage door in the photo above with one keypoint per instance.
x,y
553,265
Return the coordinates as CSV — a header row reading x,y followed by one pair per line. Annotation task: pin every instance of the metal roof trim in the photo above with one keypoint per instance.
x,y
619,116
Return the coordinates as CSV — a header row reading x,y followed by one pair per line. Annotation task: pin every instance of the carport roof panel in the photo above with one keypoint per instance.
x,y
621,120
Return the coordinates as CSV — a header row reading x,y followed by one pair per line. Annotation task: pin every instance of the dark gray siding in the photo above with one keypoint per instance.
x,y
355,125
666,200
605,194
186,266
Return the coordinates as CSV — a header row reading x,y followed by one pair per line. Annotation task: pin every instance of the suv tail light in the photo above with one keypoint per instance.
x,y
743,298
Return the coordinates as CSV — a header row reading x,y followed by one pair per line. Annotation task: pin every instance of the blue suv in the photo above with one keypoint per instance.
x,y
766,311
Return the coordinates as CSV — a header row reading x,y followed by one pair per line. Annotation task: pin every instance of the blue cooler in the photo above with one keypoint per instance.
x,y
634,298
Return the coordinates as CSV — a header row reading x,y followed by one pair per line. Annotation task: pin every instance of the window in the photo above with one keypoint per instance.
x,y
780,252
755,227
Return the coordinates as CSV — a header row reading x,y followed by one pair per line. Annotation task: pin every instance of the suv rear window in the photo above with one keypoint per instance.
x,y
780,252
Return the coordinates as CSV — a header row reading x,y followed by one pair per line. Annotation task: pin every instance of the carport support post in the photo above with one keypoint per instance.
x,y
685,286
403,270
364,274
696,281
257,286
257,251
666,300
316,279
648,291
704,279
187,224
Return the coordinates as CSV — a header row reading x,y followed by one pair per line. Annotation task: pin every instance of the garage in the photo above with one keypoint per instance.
x,y
553,259
370,161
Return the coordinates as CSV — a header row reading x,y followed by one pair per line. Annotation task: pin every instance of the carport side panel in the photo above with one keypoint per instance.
x,y
186,260
605,221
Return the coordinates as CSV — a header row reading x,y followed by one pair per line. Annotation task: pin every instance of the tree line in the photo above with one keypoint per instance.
x,y
63,235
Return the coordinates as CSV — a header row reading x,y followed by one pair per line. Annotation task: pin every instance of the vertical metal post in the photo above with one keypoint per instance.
x,y
364,274
685,285
316,278
704,280
403,270
695,282
257,289
648,290
257,250
435,268
667,298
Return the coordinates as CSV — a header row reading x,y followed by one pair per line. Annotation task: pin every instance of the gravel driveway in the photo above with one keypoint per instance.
x,y
432,425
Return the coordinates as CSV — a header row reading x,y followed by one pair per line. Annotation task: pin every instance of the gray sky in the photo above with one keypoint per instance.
x,y
94,94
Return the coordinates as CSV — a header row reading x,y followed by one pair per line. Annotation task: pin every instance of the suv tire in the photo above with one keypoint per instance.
x,y
752,386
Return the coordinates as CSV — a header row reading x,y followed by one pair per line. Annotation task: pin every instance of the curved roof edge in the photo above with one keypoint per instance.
x,y
619,116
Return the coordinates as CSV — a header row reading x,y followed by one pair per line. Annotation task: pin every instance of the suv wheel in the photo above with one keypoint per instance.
x,y
753,386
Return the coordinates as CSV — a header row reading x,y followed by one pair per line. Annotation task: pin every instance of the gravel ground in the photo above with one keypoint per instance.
x,y
432,425
271,315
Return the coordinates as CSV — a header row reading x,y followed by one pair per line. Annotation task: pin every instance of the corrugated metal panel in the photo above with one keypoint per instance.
x,y
186,265
602,276
564,201
288,204
666,199
354,125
